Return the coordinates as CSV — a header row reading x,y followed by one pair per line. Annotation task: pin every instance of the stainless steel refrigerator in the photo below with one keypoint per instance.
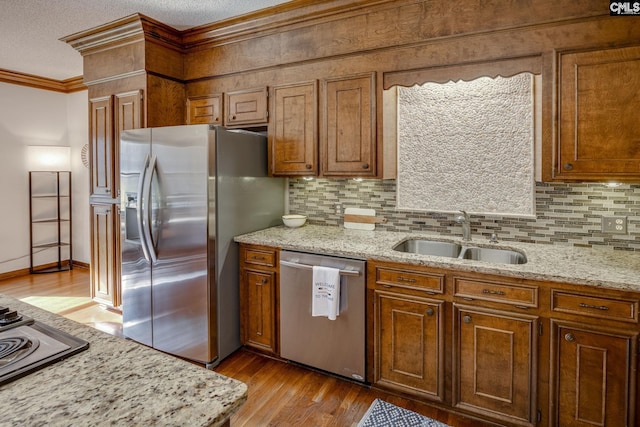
x,y
185,192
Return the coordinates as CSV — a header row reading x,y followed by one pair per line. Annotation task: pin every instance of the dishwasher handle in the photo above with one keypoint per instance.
x,y
310,267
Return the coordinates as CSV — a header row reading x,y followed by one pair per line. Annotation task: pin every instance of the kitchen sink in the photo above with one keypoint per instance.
x,y
500,256
455,250
429,247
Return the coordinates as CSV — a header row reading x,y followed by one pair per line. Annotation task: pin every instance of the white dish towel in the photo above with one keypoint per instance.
x,y
326,292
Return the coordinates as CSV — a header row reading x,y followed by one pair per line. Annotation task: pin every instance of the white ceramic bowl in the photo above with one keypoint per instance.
x,y
294,221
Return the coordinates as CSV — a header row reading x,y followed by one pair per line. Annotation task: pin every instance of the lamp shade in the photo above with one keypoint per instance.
x,y
48,158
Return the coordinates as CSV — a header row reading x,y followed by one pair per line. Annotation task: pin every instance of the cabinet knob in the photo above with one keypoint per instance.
x,y
308,166
365,166
568,166
430,311
569,337
466,319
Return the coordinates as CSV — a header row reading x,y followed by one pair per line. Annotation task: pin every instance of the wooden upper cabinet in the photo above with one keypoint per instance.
x,y
495,369
293,132
246,107
128,114
599,100
101,146
593,375
110,115
128,111
348,130
204,110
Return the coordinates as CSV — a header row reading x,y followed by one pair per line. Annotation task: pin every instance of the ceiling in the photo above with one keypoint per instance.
x,y
31,29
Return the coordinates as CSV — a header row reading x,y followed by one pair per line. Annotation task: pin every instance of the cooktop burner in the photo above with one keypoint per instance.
x,y
11,319
27,345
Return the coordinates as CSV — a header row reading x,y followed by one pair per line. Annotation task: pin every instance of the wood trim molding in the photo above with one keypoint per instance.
x,y
465,72
124,31
290,15
74,84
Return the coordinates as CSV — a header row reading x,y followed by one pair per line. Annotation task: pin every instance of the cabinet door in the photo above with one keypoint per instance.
x,y
593,376
348,131
246,107
204,110
259,309
599,100
495,363
409,344
293,137
103,254
128,114
101,147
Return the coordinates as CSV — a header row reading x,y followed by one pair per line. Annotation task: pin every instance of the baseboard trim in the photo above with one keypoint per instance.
x,y
25,271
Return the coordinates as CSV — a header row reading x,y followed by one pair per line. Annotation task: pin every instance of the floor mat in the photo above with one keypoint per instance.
x,y
385,414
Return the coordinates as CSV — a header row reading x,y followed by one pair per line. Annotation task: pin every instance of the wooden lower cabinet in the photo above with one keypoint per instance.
x,y
259,317
409,344
593,375
258,313
510,351
104,251
495,363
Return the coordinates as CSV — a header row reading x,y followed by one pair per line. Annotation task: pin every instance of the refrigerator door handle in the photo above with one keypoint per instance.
x,y
146,216
140,209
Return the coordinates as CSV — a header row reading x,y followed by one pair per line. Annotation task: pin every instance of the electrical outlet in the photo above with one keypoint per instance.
x,y
338,209
614,224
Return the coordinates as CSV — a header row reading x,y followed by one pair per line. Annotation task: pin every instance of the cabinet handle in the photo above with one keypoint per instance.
x,y
430,311
492,292
466,319
261,258
404,279
365,166
308,166
568,166
233,117
597,307
217,119
569,337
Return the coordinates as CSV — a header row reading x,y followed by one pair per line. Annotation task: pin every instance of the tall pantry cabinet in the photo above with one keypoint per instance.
x,y
132,83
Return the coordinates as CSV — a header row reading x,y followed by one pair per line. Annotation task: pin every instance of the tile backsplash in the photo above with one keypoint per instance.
x,y
568,214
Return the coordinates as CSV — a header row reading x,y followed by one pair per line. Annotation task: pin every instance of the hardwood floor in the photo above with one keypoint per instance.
x,y
280,393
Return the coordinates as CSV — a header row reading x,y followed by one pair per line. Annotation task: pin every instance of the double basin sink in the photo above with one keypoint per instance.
x,y
460,251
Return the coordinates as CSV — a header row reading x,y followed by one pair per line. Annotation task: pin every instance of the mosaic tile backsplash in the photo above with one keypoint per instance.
x,y
568,214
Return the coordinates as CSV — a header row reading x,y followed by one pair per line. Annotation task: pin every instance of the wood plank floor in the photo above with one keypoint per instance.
x,y
280,393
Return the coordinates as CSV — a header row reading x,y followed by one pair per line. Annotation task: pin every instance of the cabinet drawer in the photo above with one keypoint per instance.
x,y
595,306
260,257
412,279
508,293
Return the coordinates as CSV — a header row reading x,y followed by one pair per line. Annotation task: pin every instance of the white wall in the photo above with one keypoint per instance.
x,y
38,117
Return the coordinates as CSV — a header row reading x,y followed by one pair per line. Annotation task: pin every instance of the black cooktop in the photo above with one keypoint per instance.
x,y
27,345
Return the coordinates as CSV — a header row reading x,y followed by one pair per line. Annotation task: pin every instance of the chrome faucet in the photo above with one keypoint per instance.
x,y
466,226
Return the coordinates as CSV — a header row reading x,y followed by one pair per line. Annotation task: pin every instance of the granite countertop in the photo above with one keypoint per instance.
x,y
115,382
587,266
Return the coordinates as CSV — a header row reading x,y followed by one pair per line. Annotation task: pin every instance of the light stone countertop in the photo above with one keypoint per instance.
x,y
587,266
115,382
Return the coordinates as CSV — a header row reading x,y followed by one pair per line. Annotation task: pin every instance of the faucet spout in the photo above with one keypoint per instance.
x,y
466,225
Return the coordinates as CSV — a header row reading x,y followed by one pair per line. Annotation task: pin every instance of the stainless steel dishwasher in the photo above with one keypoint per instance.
x,y
336,346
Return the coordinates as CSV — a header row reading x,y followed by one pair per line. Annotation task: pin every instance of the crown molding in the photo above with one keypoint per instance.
x,y
73,84
123,31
